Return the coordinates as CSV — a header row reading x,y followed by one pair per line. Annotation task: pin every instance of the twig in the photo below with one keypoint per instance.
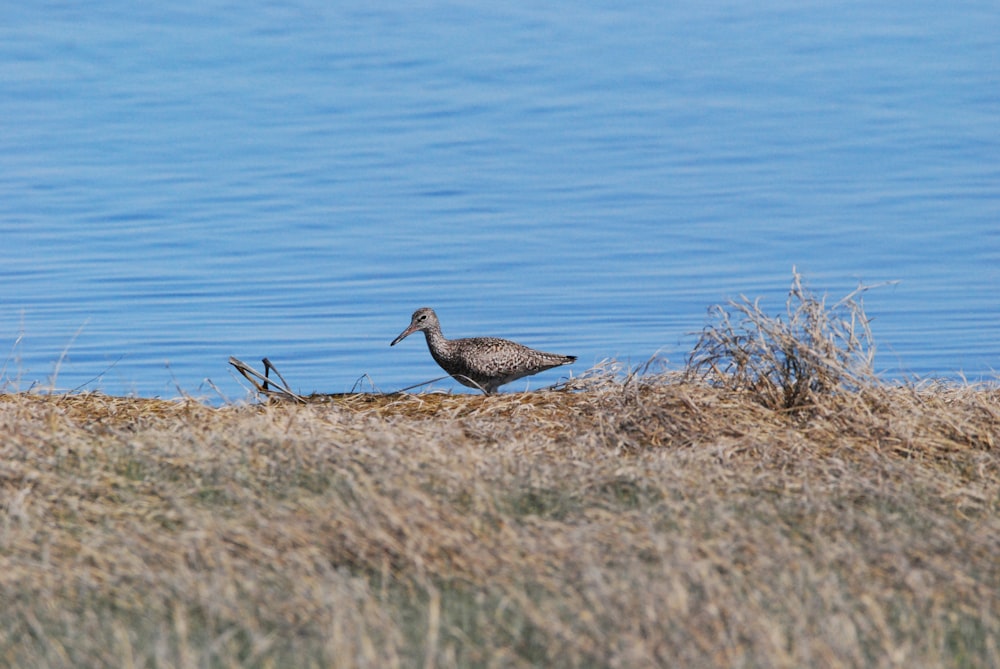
x,y
268,366
98,377
262,384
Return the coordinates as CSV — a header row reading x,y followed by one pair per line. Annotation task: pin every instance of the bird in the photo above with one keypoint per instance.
x,y
484,363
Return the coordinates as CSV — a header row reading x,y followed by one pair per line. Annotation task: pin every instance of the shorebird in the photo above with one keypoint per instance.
x,y
485,363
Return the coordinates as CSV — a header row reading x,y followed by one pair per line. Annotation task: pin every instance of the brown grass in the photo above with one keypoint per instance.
x,y
789,362
643,523
628,520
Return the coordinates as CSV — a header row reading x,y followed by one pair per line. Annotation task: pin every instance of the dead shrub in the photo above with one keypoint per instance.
x,y
791,362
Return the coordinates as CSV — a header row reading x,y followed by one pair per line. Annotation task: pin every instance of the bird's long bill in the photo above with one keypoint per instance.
x,y
404,334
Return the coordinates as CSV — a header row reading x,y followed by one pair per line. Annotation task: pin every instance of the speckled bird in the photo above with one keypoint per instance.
x,y
485,363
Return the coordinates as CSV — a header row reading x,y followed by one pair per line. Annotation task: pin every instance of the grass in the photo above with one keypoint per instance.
x,y
789,363
633,518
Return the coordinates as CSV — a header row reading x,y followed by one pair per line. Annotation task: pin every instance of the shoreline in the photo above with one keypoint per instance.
x,y
643,521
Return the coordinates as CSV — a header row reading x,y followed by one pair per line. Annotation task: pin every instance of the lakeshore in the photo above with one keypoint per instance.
x,y
627,521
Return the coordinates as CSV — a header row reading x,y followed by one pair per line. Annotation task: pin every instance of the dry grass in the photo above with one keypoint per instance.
x,y
788,362
629,520
646,522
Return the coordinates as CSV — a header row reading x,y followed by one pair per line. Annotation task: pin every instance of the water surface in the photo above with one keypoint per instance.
x,y
183,183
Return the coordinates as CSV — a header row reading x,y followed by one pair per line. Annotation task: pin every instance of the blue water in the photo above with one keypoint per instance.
x,y
181,182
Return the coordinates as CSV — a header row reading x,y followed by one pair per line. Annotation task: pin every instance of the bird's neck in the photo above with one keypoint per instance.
x,y
435,340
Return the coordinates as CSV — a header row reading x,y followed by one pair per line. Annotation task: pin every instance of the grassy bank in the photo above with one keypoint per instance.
x,y
643,522
772,505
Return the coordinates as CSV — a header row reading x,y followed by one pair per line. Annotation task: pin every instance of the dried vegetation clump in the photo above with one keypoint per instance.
x,y
632,518
793,362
